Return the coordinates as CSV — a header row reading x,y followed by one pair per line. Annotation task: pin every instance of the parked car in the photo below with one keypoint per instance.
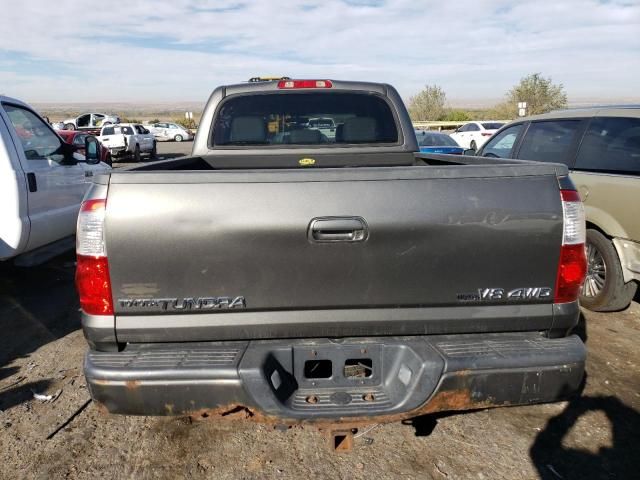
x,y
360,281
170,131
78,139
90,121
474,134
601,147
42,182
326,126
436,142
128,140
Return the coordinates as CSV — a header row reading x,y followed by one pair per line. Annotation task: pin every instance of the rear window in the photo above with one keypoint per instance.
x,y
492,125
304,119
550,141
611,145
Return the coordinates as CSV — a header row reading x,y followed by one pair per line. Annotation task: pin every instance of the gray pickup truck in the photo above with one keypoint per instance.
x,y
288,275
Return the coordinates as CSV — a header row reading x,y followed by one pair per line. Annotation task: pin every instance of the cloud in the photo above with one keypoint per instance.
x,y
181,50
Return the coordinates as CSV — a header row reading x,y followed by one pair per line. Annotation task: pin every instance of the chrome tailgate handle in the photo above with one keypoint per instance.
x,y
338,229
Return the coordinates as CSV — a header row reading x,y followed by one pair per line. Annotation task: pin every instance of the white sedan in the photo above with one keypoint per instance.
x,y
475,134
170,131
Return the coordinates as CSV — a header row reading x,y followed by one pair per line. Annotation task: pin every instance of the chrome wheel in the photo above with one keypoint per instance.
x,y
596,272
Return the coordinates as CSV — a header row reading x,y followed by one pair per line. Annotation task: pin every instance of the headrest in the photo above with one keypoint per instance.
x,y
359,129
248,129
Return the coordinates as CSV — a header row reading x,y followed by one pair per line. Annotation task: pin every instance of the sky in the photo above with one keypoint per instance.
x,y
180,50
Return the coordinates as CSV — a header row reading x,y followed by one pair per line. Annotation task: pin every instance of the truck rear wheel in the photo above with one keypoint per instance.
x,y
604,289
136,154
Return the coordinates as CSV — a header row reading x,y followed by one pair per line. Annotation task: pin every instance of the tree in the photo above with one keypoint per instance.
x,y
428,104
455,115
540,93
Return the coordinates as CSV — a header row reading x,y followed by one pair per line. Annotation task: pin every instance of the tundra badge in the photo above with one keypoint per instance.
x,y
187,303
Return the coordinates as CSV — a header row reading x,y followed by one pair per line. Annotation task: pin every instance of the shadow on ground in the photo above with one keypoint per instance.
x,y
554,460
38,305
558,455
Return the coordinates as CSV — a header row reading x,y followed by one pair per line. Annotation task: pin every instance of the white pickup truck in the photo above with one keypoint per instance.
x,y
42,183
128,140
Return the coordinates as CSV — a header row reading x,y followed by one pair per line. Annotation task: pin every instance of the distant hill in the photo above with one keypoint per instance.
x,y
139,111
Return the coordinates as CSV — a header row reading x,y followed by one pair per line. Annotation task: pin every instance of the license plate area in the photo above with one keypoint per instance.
x,y
329,378
338,365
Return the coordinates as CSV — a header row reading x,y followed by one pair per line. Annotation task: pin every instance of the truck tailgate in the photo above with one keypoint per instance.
x,y
237,248
113,141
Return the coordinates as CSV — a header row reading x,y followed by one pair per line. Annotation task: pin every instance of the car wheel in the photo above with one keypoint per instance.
x,y
69,126
604,289
136,154
108,159
178,138
473,145
154,151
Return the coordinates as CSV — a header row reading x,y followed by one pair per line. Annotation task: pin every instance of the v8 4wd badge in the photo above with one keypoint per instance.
x,y
517,294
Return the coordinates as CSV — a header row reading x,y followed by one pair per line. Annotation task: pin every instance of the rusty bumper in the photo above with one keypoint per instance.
x,y
359,380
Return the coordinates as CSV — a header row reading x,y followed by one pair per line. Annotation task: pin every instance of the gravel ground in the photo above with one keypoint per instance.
x,y
595,435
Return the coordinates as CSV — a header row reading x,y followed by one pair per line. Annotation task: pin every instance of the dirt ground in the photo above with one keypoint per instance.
x,y
595,435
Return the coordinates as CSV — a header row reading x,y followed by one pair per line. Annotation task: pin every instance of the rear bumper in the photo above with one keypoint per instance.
x,y
116,151
266,380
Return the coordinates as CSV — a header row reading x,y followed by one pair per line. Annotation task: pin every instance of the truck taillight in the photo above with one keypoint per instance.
x,y
572,266
92,272
305,84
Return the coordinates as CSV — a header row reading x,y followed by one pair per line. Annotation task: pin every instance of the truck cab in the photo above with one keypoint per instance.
x,y
42,182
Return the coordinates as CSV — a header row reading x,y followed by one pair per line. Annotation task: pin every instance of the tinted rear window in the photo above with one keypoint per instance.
x,y
492,125
304,119
611,145
550,141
